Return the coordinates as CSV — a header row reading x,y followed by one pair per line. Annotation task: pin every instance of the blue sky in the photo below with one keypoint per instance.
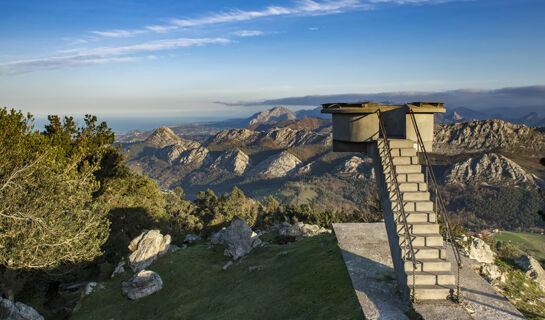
x,y
167,57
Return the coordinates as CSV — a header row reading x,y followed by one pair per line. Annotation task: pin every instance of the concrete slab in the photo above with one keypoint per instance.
x,y
367,257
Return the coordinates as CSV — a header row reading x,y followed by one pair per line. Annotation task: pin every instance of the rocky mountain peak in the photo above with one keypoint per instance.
x,y
492,169
162,137
235,161
274,114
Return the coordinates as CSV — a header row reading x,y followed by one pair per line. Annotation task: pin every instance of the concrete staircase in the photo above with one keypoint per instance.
x,y
434,279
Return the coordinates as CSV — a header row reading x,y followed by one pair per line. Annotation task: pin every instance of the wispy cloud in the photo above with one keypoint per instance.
x,y
101,55
248,33
313,29
118,33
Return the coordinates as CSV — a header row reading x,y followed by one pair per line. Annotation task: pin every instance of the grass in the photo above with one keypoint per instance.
x,y
309,282
531,243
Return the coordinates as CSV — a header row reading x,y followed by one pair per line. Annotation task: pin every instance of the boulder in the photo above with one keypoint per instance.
x,y
480,251
142,284
533,269
301,230
17,311
492,273
238,239
145,248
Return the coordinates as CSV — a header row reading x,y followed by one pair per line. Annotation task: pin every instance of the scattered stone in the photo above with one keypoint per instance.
x,y
119,269
190,238
145,248
227,265
480,251
238,239
142,284
173,248
17,311
533,269
283,253
89,288
255,268
302,230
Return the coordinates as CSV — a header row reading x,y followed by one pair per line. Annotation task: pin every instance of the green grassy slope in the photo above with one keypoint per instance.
x,y
309,282
532,243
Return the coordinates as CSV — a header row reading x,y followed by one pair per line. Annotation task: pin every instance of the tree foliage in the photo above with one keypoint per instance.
x,y
47,213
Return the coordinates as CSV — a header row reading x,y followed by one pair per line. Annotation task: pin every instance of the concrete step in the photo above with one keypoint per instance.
x,y
416,195
405,160
435,292
408,177
425,252
413,186
411,168
431,239
428,265
413,217
419,228
411,206
431,278
407,152
401,143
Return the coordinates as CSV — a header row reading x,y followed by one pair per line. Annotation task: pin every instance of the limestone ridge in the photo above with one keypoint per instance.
x,y
492,169
276,166
274,114
487,135
280,137
356,167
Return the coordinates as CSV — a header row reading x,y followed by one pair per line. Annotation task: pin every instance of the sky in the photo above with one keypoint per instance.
x,y
222,59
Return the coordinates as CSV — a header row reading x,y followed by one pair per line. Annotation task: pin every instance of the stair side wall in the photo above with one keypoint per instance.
x,y
389,221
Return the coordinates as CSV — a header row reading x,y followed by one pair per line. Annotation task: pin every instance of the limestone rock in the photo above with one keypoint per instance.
x,y
238,239
173,248
142,284
288,138
195,157
277,166
492,273
235,161
146,248
162,137
89,288
533,269
17,311
301,230
491,169
172,153
119,269
480,251
356,167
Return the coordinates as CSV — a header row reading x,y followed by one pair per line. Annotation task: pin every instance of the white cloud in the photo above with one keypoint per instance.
x,y
103,55
313,29
118,33
248,33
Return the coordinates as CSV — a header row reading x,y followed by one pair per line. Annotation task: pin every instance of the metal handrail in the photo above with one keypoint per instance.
x,y
399,197
440,205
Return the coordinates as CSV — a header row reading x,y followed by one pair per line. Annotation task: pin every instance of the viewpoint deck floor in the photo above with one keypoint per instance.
x,y
367,257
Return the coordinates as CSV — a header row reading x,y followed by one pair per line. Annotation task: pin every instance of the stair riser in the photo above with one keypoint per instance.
x,y
413,168
405,160
416,196
419,228
414,217
431,279
411,177
427,253
396,144
423,241
412,187
431,294
428,266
